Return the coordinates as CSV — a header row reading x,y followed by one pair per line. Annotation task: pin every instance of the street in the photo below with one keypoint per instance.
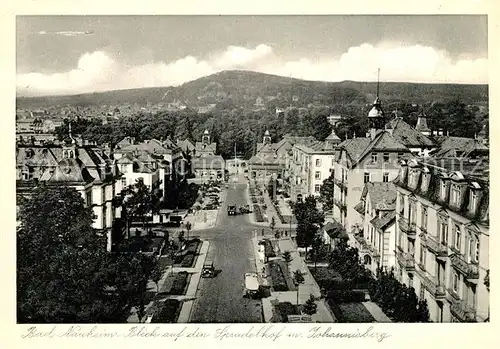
x,y
220,299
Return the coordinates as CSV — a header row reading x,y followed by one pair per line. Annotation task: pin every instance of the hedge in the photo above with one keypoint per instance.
x,y
167,312
278,279
285,309
179,283
347,296
258,214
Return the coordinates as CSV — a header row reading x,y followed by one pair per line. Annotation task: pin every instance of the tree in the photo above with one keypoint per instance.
x,y
188,228
181,237
309,221
326,193
156,275
317,244
137,203
310,307
287,258
64,274
298,278
272,225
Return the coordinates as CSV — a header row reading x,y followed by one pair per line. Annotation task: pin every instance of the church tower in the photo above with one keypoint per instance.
x,y
69,146
206,138
376,116
267,137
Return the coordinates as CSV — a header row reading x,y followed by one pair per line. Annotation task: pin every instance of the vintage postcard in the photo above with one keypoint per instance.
x,y
240,177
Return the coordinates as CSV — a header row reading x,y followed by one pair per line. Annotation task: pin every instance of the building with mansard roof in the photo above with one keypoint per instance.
x,y
442,237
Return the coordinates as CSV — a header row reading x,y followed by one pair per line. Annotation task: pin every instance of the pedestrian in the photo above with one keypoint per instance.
x,y
262,232
286,233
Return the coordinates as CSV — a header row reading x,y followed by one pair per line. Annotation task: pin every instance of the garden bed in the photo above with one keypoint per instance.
x,y
282,310
258,213
287,219
279,283
168,312
354,312
175,284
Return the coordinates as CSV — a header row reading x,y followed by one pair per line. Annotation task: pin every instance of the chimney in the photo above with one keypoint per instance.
x,y
373,133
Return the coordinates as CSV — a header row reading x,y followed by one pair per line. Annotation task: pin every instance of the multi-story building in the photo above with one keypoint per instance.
x,y
442,237
376,236
88,170
205,147
313,162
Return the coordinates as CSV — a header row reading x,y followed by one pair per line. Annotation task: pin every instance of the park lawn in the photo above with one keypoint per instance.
x,y
355,312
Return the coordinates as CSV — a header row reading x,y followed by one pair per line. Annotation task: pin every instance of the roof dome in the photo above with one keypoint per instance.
x,y
206,132
267,133
376,111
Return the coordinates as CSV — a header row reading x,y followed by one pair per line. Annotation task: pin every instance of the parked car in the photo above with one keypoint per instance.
x,y
208,270
231,210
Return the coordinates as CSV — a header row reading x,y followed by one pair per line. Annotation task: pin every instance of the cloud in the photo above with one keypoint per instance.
x,y
99,71
66,33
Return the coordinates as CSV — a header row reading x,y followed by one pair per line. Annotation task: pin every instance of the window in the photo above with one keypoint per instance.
x,y
455,195
424,218
400,155
318,162
401,204
443,189
367,177
423,252
333,162
124,182
443,232
473,248
410,280
374,157
457,237
473,201
411,248
385,177
317,188
455,281
422,291
317,175
386,157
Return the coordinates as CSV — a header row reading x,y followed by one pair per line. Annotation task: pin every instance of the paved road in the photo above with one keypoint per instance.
x,y
220,299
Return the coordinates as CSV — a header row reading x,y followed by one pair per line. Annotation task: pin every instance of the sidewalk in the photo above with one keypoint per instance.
x,y
305,290
190,296
376,312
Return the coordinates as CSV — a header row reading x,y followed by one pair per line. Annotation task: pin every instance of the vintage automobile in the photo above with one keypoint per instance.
x,y
245,209
208,270
231,210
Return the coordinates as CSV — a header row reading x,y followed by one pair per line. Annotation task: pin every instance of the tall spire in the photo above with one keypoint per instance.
x,y
70,136
378,82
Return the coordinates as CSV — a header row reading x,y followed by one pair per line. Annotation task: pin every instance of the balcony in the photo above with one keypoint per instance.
x,y
406,260
342,184
469,270
340,204
373,251
437,290
438,248
463,312
409,228
363,246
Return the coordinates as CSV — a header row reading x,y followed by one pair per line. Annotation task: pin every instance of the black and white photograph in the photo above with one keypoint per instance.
x,y
201,169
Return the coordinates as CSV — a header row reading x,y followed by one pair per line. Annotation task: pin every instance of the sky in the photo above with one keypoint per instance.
x,y
80,54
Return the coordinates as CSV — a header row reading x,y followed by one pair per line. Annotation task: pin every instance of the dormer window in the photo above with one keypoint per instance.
x,y
386,157
455,195
473,201
443,189
374,157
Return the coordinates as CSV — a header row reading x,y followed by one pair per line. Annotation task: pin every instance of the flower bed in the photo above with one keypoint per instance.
x,y
350,312
258,214
187,262
179,284
282,310
168,312
277,277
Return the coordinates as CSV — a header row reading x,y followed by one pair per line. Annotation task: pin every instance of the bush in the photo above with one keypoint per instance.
x,y
258,214
269,250
167,312
346,296
187,262
261,200
278,279
285,309
179,283
254,199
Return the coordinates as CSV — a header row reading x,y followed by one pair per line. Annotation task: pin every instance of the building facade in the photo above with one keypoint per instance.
x,y
442,240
